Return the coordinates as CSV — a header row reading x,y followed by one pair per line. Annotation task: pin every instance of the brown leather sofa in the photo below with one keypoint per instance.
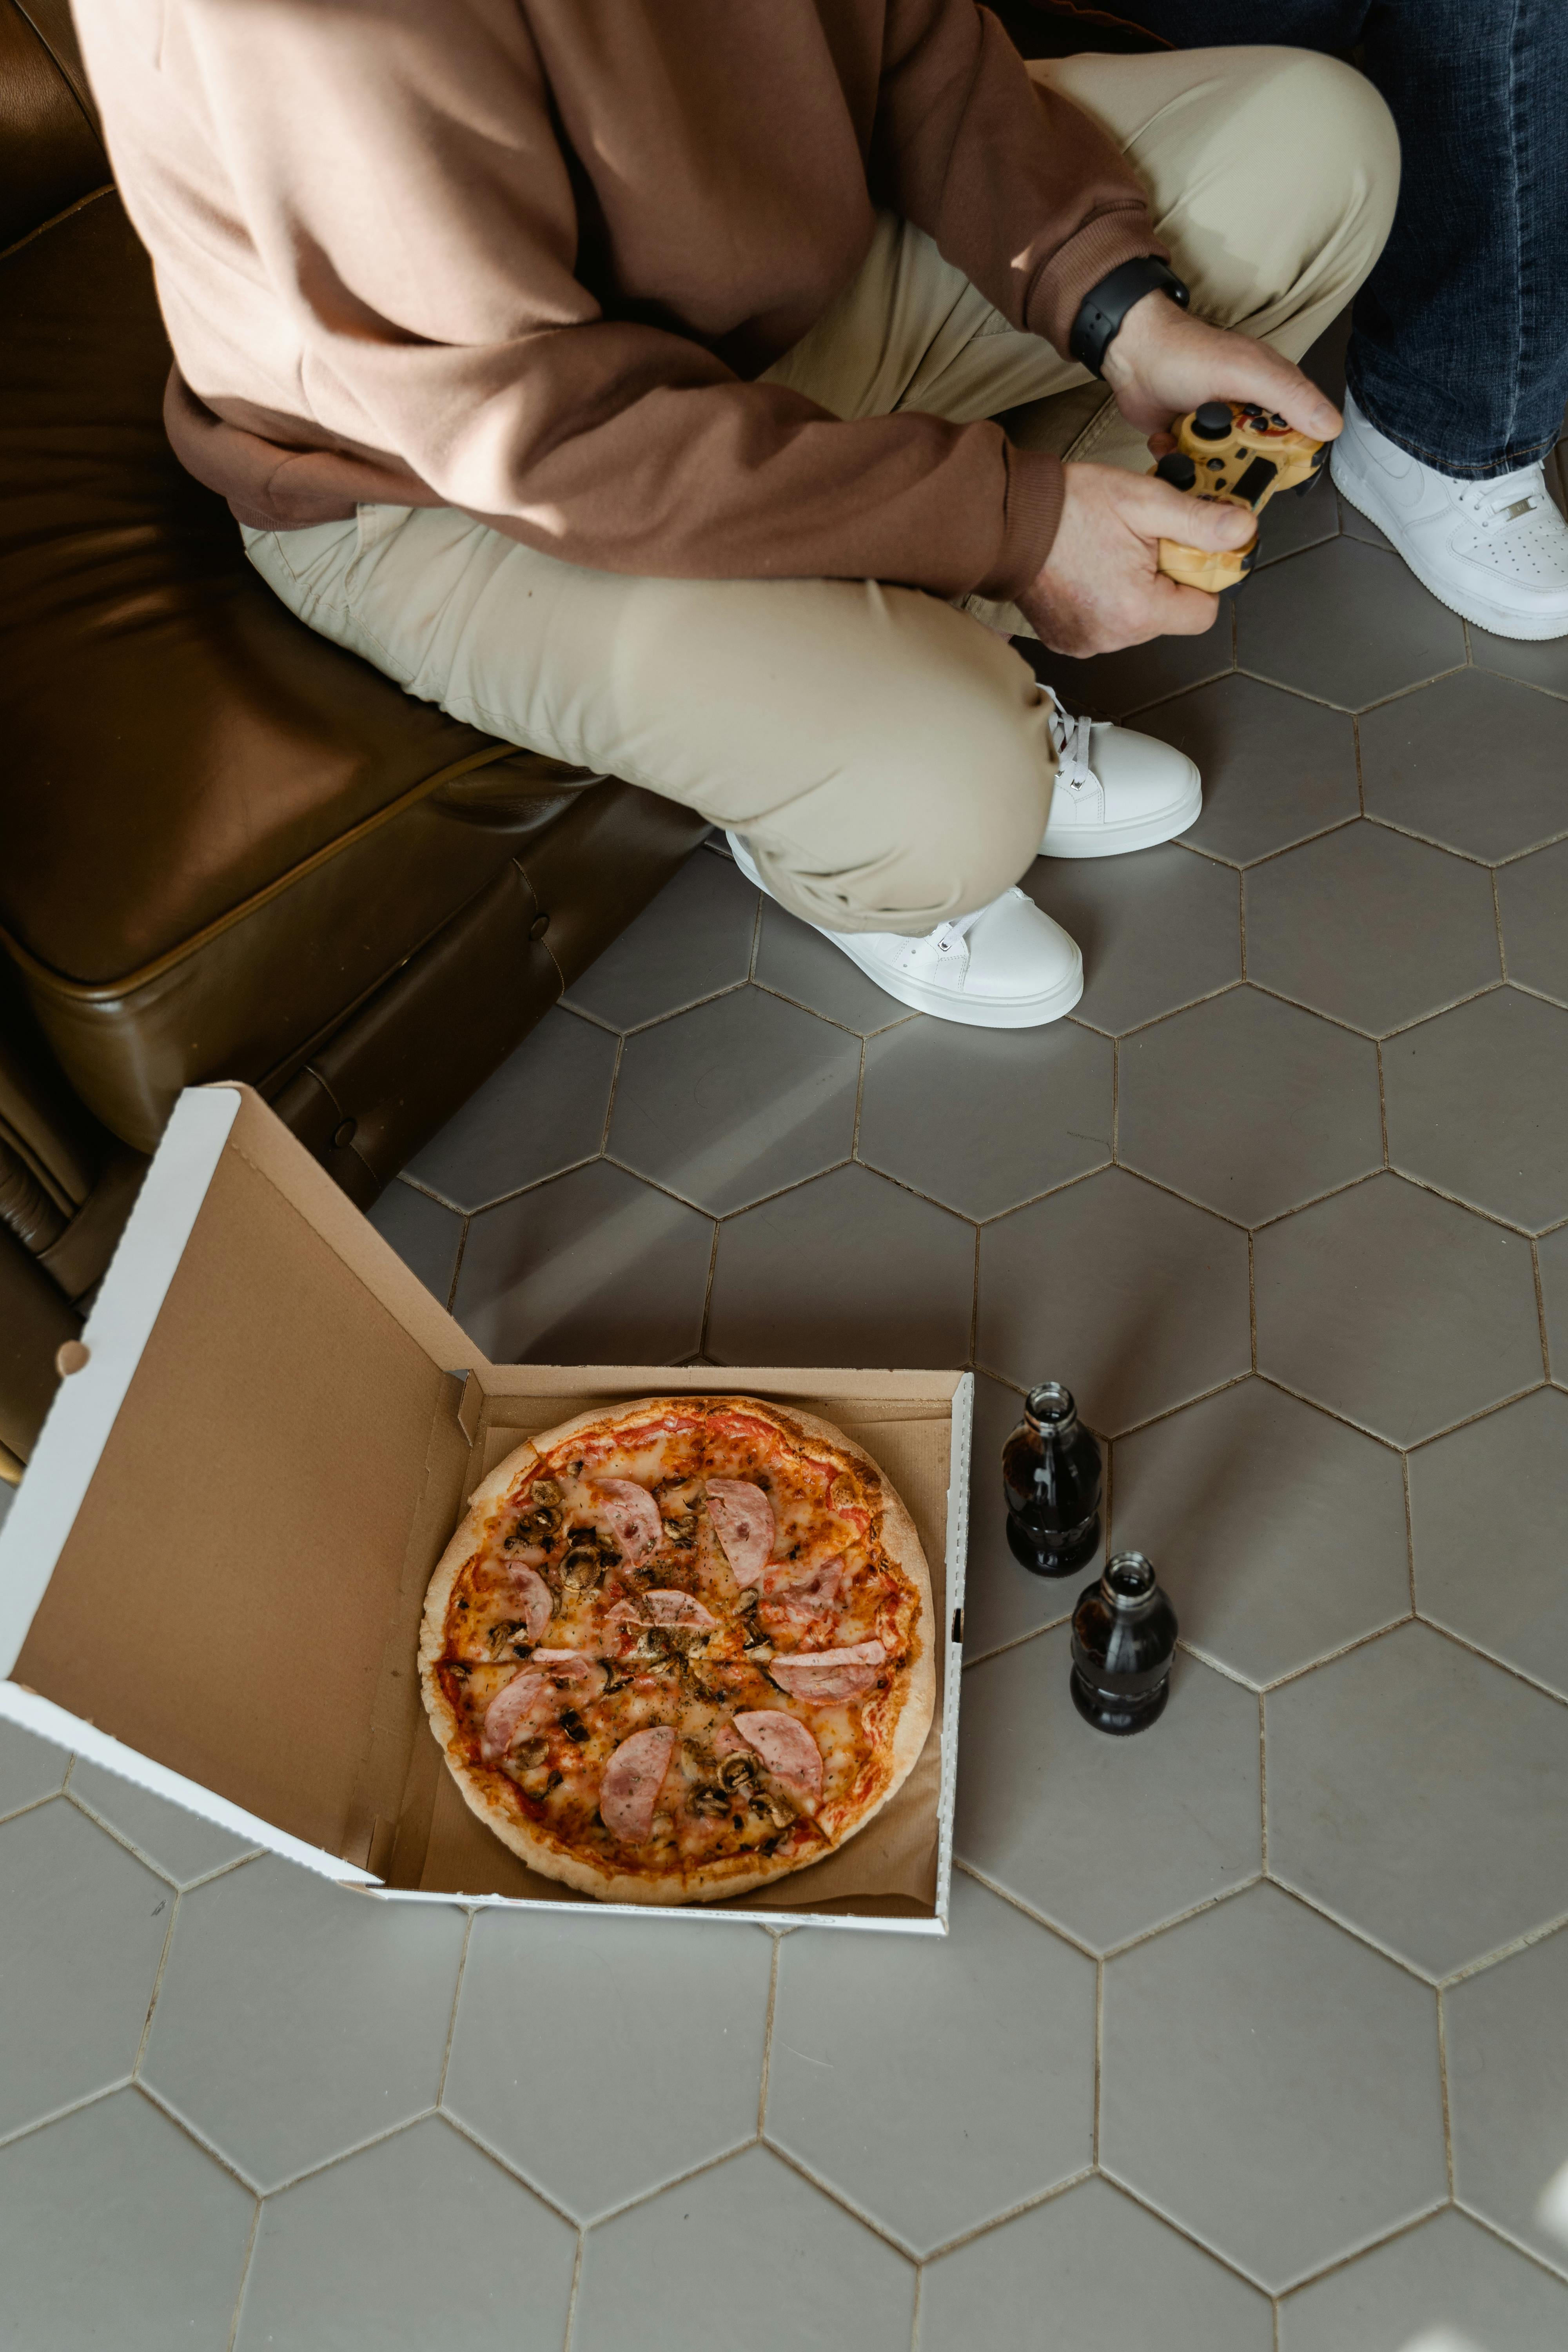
x,y
227,848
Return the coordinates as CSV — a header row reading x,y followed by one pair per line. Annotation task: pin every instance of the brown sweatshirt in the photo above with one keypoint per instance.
x,y
527,258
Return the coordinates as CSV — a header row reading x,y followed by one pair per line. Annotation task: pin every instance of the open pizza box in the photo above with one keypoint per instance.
x,y
212,1577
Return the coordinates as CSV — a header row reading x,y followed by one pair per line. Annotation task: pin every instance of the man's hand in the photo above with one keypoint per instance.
x,y
1162,363
1101,587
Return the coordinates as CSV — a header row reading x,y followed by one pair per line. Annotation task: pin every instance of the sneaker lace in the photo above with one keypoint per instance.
x,y
1508,498
1071,739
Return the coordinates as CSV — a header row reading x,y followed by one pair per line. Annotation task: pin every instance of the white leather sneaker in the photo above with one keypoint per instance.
x,y
1494,552
1115,791
1007,967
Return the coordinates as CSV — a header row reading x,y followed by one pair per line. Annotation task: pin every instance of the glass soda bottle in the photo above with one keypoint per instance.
x,y
1051,1477
1124,1639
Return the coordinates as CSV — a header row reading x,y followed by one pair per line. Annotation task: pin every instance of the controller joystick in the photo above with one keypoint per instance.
x,y
1236,452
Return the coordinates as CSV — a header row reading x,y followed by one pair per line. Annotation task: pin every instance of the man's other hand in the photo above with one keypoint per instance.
x,y
1101,587
1162,362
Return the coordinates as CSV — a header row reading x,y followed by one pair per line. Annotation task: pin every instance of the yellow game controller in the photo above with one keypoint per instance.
x,y
1235,452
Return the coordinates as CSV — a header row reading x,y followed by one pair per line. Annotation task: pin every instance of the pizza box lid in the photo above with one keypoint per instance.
x,y
211,1575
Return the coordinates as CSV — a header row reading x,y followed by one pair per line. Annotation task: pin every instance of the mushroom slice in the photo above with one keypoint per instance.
x,y
633,1778
787,1749
744,1522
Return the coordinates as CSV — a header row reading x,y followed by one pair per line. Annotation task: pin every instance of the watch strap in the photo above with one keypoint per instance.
x,y
1104,306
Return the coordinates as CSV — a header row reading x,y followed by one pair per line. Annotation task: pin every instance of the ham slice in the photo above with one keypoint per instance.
x,y
528,1597
786,1748
675,1609
744,1522
633,1778
513,1705
820,1584
727,1741
632,1515
574,1669
829,1675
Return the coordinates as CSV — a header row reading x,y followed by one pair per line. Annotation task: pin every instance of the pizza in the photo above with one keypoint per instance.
x,y
679,1648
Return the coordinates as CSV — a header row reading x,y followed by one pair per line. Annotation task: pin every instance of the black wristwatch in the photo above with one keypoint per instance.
x,y
1104,306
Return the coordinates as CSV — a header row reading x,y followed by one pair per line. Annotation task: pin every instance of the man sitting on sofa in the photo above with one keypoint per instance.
x,y
619,374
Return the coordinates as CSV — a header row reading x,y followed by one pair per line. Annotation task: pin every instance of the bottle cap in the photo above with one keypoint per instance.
x,y
1128,1579
1050,1406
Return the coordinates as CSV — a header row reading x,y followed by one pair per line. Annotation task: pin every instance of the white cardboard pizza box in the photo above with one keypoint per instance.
x,y
212,1577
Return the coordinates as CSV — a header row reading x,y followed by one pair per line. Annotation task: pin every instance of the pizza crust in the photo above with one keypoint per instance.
x,y
483,1789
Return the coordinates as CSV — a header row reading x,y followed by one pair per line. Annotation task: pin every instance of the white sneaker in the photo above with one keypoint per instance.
x,y
1007,967
1115,791
1494,552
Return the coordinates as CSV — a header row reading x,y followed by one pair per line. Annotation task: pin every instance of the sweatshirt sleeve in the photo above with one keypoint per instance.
x,y
410,197
1017,187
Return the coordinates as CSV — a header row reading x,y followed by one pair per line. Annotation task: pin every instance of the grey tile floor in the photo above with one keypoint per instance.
x,y
1249,2036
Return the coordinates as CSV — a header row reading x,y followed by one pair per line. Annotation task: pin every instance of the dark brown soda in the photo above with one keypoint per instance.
x,y
1051,1477
1124,1639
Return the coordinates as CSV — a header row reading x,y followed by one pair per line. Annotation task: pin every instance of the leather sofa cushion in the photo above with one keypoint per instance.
x,y
50,154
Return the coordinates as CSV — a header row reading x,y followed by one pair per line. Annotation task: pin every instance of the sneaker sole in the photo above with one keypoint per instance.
x,y
1120,840
969,1012
977,1012
1497,623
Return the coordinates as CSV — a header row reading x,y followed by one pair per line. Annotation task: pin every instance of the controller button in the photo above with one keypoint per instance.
x,y
1215,465
1250,408
1212,422
1280,422
1177,468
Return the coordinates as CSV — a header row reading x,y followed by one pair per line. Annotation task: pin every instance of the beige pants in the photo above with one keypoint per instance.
x,y
886,755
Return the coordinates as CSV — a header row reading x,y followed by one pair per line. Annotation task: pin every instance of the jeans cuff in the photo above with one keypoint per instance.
x,y
1443,461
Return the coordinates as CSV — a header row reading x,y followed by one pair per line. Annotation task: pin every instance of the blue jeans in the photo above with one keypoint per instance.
x,y
1459,344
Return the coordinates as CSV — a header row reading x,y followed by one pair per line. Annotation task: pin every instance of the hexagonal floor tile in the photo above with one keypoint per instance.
x,y
848,1269
1444,2286
1106,1838
694,940
346,2258
1477,1105
29,1768
1001,1601
81,1929
1275,769
1345,623
1551,1254
1371,928
424,1233
983,1119
1289,524
541,1111
596,1267
296,2019
1272,2085
1111,685
1396,1308
1544,663
181,1846
1157,930
1508,2094
674,2055
800,964
809,2275
1278,1532
1488,1507
1135,1300
1248,1105
1420,1794
735,1099
116,2230
1471,762
1533,898
1111,2277
974,2117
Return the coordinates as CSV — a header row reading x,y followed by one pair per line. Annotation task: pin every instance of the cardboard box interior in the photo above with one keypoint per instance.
x,y
238,1596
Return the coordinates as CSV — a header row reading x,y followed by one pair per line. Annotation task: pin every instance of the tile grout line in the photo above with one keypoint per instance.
x,y
1409,1533
768,2038
72,2107
1099,2057
452,2014
157,1988
457,1265
577,2254
1541,1303
244,2272
702,1331
977,2230
1495,2229
1442,2023
1263,1783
